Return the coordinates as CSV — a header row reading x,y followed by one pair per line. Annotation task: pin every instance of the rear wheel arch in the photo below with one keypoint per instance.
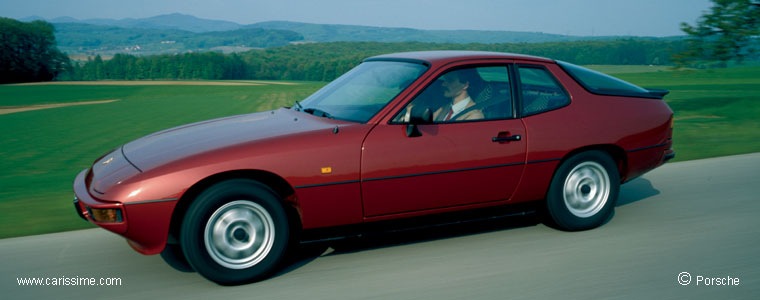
x,y
284,190
583,190
615,152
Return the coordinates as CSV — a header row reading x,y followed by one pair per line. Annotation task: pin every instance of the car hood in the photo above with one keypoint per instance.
x,y
188,140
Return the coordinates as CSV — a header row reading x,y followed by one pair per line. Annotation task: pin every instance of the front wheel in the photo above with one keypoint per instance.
x,y
235,232
174,257
583,192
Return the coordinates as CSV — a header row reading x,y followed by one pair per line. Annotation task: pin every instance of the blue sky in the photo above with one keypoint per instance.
x,y
573,17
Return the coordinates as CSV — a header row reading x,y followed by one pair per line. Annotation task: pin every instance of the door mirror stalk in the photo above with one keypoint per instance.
x,y
416,118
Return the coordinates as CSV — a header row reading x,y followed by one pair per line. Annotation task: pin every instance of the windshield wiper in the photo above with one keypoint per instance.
x,y
298,106
318,112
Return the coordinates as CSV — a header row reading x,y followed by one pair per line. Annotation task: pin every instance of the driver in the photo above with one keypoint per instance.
x,y
455,87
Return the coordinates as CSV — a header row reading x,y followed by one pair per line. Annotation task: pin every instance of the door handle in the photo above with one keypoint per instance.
x,y
511,138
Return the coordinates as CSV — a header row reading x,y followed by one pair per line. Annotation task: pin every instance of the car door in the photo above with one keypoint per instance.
x,y
472,157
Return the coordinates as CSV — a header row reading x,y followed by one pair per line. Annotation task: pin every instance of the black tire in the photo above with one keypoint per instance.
x,y
583,191
174,257
235,232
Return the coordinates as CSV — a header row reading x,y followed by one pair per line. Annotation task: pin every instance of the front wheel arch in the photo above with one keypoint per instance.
x,y
271,180
236,231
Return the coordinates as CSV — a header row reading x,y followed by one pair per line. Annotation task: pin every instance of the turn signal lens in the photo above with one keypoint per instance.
x,y
108,215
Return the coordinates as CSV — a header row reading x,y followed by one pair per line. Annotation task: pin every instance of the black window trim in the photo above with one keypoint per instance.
x,y
516,92
510,73
551,75
407,60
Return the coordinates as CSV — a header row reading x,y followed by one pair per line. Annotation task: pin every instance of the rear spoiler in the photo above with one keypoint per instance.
x,y
659,93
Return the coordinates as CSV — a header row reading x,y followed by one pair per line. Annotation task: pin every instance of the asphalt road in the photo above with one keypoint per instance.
x,y
699,217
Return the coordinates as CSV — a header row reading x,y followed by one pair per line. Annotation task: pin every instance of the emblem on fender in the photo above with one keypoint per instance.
x,y
108,161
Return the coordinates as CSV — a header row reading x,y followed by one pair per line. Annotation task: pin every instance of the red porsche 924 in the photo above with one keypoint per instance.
x,y
399,136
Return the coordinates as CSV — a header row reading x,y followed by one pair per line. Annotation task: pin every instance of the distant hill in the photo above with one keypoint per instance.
x,y
170,21
88,39
176,33
353,33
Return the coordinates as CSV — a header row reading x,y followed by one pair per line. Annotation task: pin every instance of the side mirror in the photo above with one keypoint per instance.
x,y
418,117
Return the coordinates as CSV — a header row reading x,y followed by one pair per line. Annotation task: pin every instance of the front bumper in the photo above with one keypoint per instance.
x,y
84,202
79,209
144,224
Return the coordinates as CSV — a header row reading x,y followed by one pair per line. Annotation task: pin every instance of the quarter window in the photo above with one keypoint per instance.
x,y
540,91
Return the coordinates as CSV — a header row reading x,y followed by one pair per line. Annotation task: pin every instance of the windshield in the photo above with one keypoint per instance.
x,y
361,92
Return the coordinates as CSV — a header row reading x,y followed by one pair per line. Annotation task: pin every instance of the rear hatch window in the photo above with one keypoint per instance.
x,y
600,83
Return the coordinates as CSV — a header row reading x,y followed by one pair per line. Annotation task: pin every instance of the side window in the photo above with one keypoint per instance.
x,y
540,91
467,94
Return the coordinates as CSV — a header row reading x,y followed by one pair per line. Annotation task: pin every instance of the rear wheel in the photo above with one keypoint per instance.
x,y
583,192
235,232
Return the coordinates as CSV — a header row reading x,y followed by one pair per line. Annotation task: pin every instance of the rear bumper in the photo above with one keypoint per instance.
x,y
669,152
145,224
645,159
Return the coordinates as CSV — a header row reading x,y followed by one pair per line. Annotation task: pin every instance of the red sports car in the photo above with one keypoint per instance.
x,y
400,135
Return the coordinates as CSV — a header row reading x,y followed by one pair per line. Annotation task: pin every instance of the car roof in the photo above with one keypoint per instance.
x,y
447,56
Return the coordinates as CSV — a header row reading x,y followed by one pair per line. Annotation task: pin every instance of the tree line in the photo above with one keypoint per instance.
x,y
326,61
206,65
28,52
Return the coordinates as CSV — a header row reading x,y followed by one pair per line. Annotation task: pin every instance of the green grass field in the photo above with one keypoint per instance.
x,y
716,114
50,94
717,111
622,69
43,150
